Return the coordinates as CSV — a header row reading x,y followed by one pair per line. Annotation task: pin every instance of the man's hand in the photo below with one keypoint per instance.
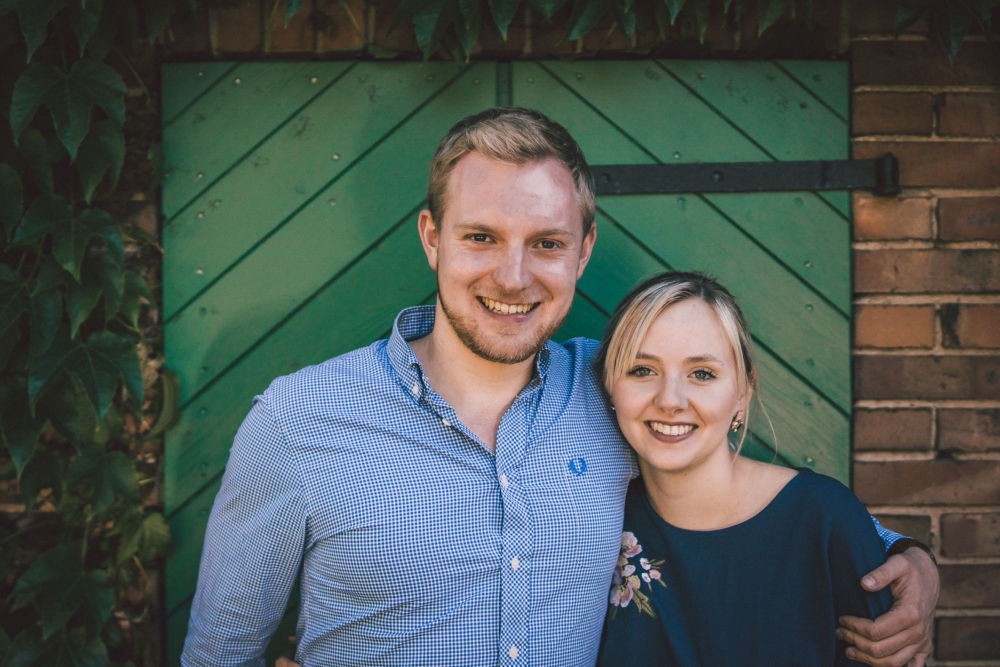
x,y
901,636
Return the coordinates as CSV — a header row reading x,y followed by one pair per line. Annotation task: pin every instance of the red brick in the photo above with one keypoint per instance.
x,y
967,639
891,217
892,113
935,271
969,586
969,219
941,481
969,429
239,28
920,377
939,164
296,37
923,63
969,114
971,325
894,326
903,429
879,18
917,527
964,535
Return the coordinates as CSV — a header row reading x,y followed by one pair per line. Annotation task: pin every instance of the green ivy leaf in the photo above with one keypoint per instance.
x,y
18,429
26,649
503,12
769,13
907,13
102,150
674,8
57,587
157,14
97,363
586,14
11,200
46,311
9,340
136,291
69,96
68,409
42,471
40,154
14,298
34,17
81,299
407,9
108,475
547,8
148,538
951,23
84,17
468,28
429,24
78,649
292,6
50,216
625,15
702,9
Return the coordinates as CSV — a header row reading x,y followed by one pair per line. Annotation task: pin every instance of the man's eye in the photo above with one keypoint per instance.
x,y
479,238
549,244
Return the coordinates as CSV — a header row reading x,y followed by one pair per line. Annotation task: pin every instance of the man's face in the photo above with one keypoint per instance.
x,y
507,254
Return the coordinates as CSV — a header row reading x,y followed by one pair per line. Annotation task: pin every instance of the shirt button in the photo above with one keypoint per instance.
x,y
446,422
512,653
503,481
416,389
514,563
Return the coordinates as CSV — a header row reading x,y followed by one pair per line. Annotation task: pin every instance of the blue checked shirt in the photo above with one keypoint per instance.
x,y
415,544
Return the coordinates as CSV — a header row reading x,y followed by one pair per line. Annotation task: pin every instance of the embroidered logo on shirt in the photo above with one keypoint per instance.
x,y
577,466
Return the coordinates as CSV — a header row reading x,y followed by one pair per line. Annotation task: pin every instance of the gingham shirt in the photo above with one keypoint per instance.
x,y
416,544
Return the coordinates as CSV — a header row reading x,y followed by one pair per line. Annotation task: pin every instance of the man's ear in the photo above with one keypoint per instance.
x,y
589,239
429,237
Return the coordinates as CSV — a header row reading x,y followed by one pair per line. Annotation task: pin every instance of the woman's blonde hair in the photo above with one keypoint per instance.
x,y
639,309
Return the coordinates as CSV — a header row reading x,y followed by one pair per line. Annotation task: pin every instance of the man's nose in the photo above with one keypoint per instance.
x,y
514,271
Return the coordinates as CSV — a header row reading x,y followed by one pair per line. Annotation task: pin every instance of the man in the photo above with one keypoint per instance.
x,y
453,495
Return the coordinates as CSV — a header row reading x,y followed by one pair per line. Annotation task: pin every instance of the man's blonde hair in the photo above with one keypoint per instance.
x,y
514,135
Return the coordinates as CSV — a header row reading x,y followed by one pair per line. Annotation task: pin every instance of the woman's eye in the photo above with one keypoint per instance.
x,y
640,371
703,374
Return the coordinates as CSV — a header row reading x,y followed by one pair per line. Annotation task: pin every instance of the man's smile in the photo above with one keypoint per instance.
x,y
502,308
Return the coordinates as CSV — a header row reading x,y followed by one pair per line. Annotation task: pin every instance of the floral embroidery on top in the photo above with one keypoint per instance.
x,y
628,580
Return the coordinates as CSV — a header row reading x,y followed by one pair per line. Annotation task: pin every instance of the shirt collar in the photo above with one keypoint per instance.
x,y
417,322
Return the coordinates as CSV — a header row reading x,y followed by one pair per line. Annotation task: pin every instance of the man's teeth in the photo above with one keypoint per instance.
x,y
671,429
506,308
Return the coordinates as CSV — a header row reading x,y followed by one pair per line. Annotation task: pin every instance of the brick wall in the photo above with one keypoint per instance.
x,y
927,316
926,264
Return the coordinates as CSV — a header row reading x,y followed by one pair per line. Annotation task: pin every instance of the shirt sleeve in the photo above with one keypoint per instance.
x,y
887,536
854,550
253,549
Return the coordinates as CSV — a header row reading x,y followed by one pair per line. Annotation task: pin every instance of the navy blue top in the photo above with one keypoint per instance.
x,y
767,591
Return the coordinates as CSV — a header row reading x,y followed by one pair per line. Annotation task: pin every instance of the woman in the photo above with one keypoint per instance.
x,y
725,560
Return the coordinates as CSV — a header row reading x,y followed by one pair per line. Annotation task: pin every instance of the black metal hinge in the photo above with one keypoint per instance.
x,y
880,175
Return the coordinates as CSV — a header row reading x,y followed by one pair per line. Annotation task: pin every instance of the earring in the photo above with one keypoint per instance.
x,y
737,422
612,408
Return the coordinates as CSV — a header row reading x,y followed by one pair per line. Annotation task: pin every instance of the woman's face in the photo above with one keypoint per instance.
x,y
678,398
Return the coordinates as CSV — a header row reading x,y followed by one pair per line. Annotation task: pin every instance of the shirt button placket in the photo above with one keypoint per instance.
x,y
515,600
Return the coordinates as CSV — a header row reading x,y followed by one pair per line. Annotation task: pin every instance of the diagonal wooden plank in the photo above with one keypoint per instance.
x,y
826,80
183,83
809,237
346,314
670,122
266,285
314,147
771,108
228,120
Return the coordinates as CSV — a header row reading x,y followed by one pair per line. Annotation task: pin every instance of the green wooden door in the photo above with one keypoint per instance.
x,y
291,194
